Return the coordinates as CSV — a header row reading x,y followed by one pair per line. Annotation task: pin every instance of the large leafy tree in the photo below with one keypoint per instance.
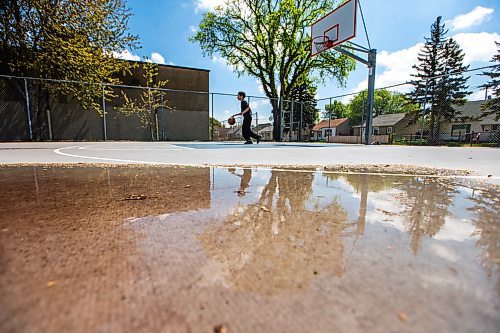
x,y
270,40
492,106
385,102
439,80
64,39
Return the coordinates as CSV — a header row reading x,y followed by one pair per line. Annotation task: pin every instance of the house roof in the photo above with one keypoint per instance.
x,y
472,110
386,120
261,126
268,128
329,123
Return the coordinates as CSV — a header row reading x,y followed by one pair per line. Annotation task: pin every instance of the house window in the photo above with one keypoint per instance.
x,y
494,127
389,130
328,132
319,134
376,131
460,129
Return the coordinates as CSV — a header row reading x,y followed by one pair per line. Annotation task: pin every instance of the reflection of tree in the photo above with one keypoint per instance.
x,y
277,244
427,201
488,229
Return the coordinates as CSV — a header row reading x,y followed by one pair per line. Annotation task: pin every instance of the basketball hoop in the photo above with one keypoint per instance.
x,y
321,43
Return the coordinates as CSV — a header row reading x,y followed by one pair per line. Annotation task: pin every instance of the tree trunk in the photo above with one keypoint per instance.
x,y
276,120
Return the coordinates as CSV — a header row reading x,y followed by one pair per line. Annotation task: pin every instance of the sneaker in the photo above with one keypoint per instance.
x,y
258,139
248,143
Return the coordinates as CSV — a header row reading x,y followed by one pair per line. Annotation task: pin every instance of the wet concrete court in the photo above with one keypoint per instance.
x,y
148,249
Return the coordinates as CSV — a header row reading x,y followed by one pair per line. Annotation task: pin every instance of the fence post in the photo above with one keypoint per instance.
x,y
281,119
28,108
423,110
459,136
49,122
212,120
105,134
157,126
162,116
299,136
290,135
329,121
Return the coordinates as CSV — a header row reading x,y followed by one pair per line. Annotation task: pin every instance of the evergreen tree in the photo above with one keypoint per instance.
x,y
304,95
433,84
492,106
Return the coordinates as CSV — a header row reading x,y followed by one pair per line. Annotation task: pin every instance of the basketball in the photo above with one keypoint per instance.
x,y
231,121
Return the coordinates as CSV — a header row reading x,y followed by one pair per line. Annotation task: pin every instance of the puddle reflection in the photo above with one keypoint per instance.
x,y
264,238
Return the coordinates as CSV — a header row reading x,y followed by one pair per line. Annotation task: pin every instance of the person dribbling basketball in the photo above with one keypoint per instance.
x,y
246,112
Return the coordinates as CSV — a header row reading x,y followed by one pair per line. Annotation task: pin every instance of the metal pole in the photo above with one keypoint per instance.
x,y
363,110
28,108
162,117
105,134
49,122
372,65
212,121
299,138
157,126
290,135
329,120
281,119
423,110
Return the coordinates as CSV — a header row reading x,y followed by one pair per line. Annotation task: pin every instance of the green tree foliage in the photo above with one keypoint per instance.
x,y
492,106
336,110
270,40
64,39
439,76
146,102
386,102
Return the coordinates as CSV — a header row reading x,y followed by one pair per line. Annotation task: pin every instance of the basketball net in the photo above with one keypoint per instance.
x,y
321,43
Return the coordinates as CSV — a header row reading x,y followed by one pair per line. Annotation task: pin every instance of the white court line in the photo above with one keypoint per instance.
x,y
59,152
126,149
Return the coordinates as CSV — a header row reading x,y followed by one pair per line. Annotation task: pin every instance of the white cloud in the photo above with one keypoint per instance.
x,y
171,63
126,55
477,16
476,96
203,5
477,46
157,58
193,29
396,67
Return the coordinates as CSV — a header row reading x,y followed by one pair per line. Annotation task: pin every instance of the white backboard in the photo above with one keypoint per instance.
x,y
334,28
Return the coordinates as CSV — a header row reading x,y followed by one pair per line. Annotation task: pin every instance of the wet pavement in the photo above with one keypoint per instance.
x,y
149,249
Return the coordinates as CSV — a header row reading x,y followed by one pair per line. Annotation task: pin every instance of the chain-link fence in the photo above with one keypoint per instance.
x,y
425,112
42,110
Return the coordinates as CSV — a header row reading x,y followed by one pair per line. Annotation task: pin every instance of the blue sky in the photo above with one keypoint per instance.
x,y
395,28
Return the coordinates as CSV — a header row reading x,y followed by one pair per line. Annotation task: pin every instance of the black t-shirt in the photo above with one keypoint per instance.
x,y
244,105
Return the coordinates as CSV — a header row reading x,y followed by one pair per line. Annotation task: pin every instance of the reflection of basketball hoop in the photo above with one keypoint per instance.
x,y
322,43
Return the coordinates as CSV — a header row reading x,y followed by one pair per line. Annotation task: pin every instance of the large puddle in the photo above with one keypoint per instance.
x,y
90,249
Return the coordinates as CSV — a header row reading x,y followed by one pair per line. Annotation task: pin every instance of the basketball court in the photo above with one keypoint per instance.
x,y
479,163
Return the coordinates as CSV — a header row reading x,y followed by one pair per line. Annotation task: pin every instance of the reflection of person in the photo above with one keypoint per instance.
x,y
246,112
245,180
